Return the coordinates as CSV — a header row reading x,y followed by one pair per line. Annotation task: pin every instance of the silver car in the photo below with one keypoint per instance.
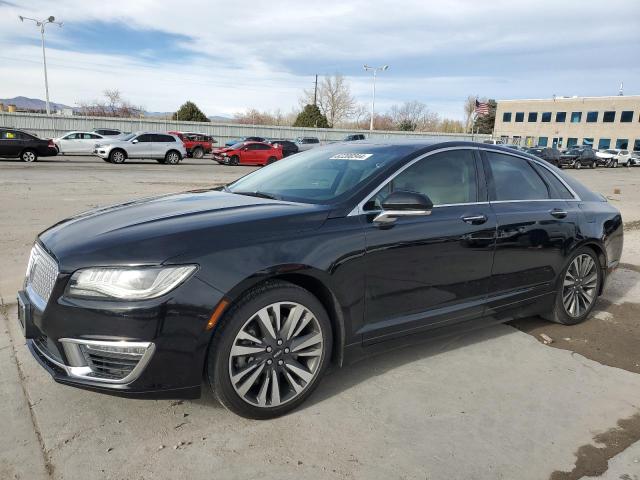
x,y
306,143
163,147
77,142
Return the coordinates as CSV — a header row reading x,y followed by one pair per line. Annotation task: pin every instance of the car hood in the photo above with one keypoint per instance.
x,y
154,230
110,142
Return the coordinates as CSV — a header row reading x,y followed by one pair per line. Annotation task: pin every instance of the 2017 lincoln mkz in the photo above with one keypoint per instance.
x,y
323,257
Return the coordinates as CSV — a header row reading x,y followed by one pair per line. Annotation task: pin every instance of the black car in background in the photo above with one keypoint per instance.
x,y
18,144
551,155
288,147
354,137
579,157
332,255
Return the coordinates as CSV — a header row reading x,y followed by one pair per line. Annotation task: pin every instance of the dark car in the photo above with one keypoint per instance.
x,y
288,147
333,254
578,158
354,136
551,155
108,132
18,144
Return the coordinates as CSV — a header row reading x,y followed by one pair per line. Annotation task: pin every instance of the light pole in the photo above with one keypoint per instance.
x,y
373,99
42,24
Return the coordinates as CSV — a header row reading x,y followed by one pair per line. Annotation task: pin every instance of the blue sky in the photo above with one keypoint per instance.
x,y
228,57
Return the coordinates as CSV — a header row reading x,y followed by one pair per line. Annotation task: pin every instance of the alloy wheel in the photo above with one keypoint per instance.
x,y
276,354
29,156
172,158
579,287
118,157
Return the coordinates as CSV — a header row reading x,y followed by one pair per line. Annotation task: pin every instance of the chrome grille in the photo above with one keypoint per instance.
x,y
42,272
109,365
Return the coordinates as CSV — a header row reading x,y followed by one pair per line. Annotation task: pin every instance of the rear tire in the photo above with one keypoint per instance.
x,y
580,283
29,156
233,161
172,157
244,344
271,160
577,165
593,164
197,153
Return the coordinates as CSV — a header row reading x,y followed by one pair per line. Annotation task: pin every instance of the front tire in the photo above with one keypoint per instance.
x,y
578,288
270,351
577,165
233,161
117,156
29,156
197,153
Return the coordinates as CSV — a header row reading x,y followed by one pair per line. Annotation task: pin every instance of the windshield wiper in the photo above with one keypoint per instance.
x,y
270,196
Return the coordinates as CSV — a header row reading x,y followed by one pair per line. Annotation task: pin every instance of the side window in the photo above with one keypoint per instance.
x,y
515,179
164,138
446,178
557,188
144,138
252,146
9,135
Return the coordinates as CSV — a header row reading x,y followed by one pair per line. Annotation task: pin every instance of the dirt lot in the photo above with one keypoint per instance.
x,y
492,404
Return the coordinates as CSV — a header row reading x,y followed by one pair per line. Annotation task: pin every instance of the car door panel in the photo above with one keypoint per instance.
x,y
434,270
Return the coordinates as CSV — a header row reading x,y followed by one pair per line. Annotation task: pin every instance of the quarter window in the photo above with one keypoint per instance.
x,y
592,117
532,117
561,116
626,116
576,117
519,116
446,178
609,116
546,117
515,179
506,117
557,188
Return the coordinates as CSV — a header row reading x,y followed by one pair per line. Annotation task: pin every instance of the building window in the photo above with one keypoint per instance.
x,y
622,143
604,143
609,117
592,117
546,117
528,141
519,116
542,141
587,142
533,117
636,145
504,138
572,142
626,116
561,116
557,142
516,140
576,117
506,117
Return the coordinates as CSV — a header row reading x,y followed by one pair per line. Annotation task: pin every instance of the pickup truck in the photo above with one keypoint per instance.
x,y
196,144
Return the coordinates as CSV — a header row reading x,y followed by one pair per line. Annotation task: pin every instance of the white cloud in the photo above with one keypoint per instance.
x,y
262,54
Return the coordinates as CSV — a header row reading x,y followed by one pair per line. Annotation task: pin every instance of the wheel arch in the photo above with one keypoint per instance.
x,y
311,281
173,150
600,251
116,149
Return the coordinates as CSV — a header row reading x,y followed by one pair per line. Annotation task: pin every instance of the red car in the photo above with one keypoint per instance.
x,y
248,153
196,144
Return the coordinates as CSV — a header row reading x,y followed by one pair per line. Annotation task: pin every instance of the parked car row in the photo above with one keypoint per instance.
x,y
583,157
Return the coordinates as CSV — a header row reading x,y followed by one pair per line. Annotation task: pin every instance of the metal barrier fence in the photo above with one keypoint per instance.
x,y
51,126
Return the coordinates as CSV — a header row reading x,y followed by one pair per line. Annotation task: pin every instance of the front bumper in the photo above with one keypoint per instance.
x,y
101,152
155,349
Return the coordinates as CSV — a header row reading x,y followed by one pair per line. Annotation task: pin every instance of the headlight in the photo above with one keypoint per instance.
x,y
136,283
224,154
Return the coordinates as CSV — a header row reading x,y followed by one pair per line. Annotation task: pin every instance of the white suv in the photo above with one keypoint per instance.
x,y
162,147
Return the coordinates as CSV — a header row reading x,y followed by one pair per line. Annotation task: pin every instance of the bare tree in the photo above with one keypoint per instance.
x,y
113,105
253,116
469,108
414,115
334,99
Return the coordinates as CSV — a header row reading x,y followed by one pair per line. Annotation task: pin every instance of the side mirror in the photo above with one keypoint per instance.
x,y
135,141
403,204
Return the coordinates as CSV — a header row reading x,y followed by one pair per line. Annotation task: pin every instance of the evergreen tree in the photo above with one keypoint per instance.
x,y
311,117
189,112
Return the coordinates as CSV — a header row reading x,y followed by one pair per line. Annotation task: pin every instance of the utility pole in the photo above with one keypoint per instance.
x,y
373,98
42,24
315,92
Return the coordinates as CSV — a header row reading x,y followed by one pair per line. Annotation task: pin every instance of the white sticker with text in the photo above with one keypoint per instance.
x,y
351,156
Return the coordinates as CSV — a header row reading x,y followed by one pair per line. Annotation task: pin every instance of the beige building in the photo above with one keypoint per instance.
x,y
603,122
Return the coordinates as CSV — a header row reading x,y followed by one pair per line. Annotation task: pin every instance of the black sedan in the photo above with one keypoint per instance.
x,y
18,144
551,155
321,258
288,147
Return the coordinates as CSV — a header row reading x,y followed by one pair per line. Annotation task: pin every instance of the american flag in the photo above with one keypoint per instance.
x,y
482,108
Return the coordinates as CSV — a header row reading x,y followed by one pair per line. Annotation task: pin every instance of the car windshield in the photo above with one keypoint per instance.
x,y
127,137
320,175
238,145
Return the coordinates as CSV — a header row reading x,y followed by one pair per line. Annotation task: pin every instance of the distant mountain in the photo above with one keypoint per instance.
x,y
25,103
220,118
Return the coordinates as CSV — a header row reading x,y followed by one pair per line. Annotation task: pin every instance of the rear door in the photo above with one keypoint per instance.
x,y
11,143
537,218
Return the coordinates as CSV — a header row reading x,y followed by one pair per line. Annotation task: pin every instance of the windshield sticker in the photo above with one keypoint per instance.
x,y
351,156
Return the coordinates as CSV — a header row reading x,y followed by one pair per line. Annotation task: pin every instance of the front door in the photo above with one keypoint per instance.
x,y
11,143
143,148
429,271
537,222
249,154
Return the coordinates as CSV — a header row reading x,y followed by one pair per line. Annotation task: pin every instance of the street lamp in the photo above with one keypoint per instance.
x,y
373,100
42,24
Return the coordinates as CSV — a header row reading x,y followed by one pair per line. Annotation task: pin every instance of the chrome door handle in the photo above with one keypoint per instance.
x,y
558,213
474,219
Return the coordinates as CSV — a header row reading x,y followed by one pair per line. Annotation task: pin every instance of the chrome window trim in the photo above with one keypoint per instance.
x,y
358,208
